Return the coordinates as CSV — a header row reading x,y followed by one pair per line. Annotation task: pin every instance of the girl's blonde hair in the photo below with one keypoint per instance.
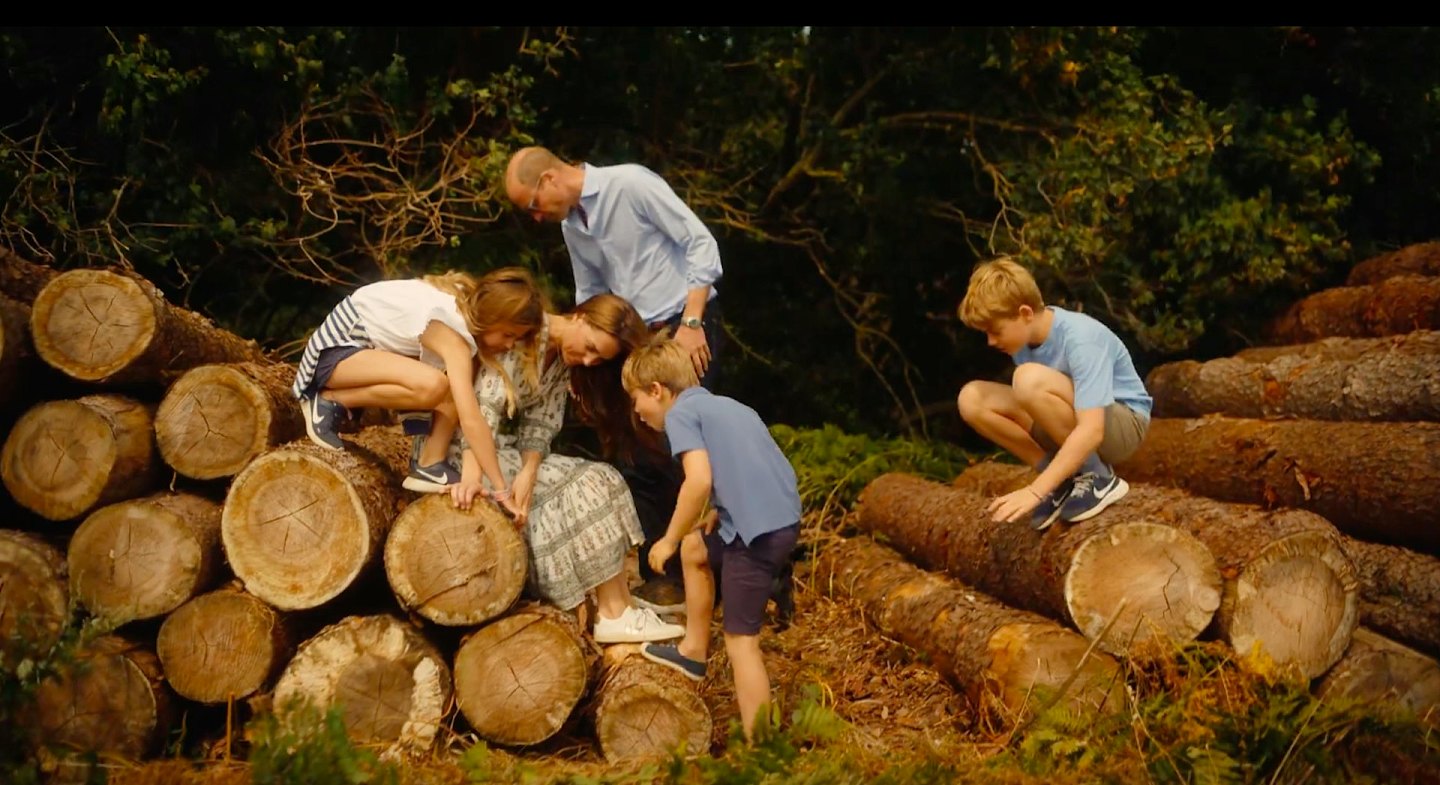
x,y
507,295
997,290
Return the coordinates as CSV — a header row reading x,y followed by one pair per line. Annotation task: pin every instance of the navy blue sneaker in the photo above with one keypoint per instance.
x,y
322,418
1092,494
430,479
1048,510
668,654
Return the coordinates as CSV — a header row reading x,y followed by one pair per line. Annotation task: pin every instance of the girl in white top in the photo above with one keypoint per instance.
x,y
412,344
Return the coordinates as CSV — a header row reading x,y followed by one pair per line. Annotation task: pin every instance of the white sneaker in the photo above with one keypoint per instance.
x,y
635,625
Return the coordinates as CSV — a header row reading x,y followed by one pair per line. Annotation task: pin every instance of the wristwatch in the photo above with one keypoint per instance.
x,y
692,321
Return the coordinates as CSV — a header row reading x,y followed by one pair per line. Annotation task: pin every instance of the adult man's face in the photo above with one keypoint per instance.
x,y
541,200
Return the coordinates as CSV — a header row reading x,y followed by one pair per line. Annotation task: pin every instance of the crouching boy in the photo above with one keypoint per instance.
x,y
730,460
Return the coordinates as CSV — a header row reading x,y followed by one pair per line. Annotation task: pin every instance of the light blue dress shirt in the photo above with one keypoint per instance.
x,y
638,240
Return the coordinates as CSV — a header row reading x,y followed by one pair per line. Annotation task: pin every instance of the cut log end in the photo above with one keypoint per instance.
x,y
1156,582
518,679
648,711
1294,605
1380,671
455,567
92,323
1030,662
220,646
110,702
212,421
34,599
57,459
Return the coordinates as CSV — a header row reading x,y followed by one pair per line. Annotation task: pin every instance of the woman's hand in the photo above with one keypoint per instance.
x,y
522,490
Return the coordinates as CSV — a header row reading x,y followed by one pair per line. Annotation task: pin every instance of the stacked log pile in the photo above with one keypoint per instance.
x,y
175,500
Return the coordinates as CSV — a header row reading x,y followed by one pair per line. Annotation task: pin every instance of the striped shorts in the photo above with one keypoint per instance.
x,y
341,328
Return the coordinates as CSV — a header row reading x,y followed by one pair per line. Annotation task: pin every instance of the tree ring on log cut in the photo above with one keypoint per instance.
x,y
1386,674
217,412
152,556
92,323
648,711
34,594
1014,664
219,646
455,567
58,457
1294,604
295,531
518,679
109,701
1163,582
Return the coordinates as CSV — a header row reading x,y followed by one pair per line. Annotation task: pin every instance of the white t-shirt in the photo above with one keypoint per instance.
x,y
395,313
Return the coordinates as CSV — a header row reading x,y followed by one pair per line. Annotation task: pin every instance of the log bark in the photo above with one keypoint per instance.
x,y
17,352
22,279
644,710
518,679
1417,259
1375,481
63,459
1399,588
390,684
1167,578
107,327
1006,660
1354,379
1390,307
34,595
1289,592
1384,673
143,558
455,567
215,418
224,645
111,701
301,523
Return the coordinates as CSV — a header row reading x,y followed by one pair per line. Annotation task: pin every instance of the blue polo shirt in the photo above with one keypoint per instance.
x,y
752,483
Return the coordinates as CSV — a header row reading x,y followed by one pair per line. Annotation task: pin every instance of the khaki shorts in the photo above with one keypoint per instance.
x,y
1124,430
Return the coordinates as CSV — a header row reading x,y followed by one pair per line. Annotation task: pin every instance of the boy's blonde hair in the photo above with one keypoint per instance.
x,y
997,290
664,361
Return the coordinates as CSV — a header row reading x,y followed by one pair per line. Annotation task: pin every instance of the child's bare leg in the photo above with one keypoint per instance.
x,y
699,596
443,422
752,684
1048,397
371,377
994,411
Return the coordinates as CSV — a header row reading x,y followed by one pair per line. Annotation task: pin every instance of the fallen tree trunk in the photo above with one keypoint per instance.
x,y
1340,379
1374,481
1399,588
301,523
455,567
223,646
63,459
34,595
391,686
215,418
143,558
1390,307
1289,591
644,710
22,279
17,353
518,679
111,702
1417,259
1164,578
998,655
102,326
1384,673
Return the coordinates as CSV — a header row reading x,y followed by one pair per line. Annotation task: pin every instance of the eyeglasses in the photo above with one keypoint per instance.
x,y
534,205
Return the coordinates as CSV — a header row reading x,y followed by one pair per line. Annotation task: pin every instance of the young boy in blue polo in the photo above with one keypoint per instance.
x,y
1075,406
731,461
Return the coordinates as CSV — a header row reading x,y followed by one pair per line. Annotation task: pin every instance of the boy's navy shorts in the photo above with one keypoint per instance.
x,y
744,575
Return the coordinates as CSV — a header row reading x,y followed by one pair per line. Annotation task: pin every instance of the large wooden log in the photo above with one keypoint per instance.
x,y
1005,659
22,279
644,710
455,567
17,353
1417,259
224,645
110,702
143,558
1381,672
103,326
34,595
1396,378
1399,588
390,684
1289,591
1390,307
63,459
215,418
1374,481
301,522
1163,581
518,679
